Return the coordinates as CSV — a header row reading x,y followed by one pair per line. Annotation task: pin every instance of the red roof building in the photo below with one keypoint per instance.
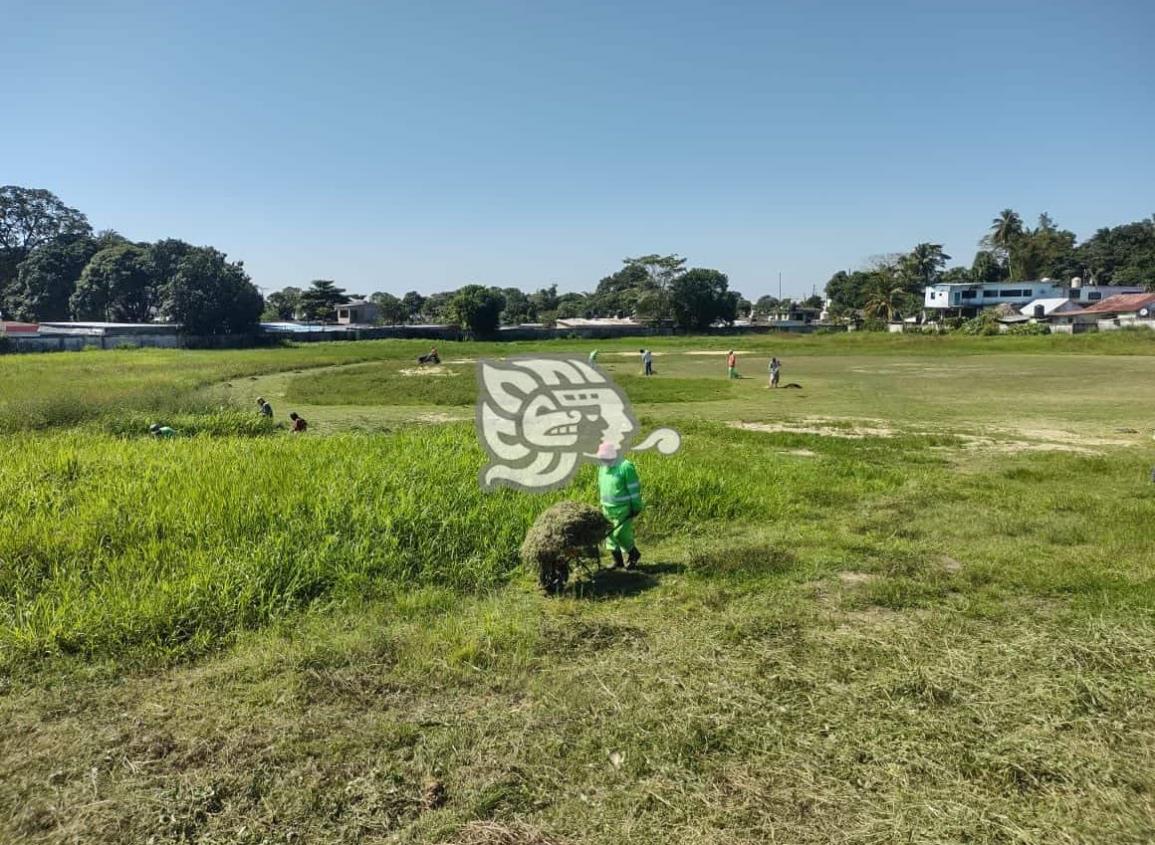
x,y
10,327
1123,304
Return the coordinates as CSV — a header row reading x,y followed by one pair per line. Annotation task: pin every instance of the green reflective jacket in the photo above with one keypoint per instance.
x,y
620,490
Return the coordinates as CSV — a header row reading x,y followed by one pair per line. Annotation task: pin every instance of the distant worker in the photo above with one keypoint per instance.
x,y
621,497
299,424
430,357
161,431
594,358
264,407
732,364
775,371
647,361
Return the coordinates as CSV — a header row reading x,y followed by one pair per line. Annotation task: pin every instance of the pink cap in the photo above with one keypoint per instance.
x,y
607,451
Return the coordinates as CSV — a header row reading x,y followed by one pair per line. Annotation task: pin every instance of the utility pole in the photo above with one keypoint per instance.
x,y
779,285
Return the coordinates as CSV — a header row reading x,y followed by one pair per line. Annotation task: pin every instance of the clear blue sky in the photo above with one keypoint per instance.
x,y
393,146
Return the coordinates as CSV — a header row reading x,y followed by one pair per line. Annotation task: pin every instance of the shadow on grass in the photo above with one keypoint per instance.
x,y
619,583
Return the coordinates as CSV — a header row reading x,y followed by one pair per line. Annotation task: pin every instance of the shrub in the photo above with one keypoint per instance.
x,y
1029,329
985,325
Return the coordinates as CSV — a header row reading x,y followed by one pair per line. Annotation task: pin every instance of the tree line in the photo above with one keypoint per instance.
x,y
653,289
53,268
892,285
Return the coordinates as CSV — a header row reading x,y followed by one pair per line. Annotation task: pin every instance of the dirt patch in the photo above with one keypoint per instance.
x,y
715,352
852,432
437,417
462,361
949,564
437,370
1015,447
802,453
854,579
1061,437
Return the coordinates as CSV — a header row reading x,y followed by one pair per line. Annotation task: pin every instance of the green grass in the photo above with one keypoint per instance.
x,y
241,636
387,383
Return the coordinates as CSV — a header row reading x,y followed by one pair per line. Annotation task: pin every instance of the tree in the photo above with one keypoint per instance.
x,y
282,304
1123,255
321,300
47,278
885,300
925,261
31,217
544,300
518,307
393,311
118,285
700,297
1005,229
413,302
167,255
814,301
957,276
617,295
765,306
477,309
573,305
437,307
651,307
209,295
987,267
660,270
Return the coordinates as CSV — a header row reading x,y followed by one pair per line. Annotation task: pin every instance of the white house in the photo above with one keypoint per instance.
x,y
969,298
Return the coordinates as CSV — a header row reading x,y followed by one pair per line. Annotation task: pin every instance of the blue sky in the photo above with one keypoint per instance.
x,y
397,146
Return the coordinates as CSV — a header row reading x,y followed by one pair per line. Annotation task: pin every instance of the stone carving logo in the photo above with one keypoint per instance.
x,y
539,418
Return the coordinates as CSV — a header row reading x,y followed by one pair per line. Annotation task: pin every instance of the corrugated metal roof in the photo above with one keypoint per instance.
x,y
15,327
1122,303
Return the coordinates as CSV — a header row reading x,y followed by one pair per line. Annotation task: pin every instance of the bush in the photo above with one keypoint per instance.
x,y
984,325
1027,329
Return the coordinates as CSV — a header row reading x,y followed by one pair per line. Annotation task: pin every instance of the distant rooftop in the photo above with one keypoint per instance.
x,y
1122,303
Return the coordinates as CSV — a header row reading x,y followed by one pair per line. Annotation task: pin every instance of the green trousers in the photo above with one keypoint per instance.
x,y
622,537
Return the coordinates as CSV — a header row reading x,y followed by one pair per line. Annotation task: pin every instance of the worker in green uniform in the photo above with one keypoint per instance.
x,y
161,431
621,495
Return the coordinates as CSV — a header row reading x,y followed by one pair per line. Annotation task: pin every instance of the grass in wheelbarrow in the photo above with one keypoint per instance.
x,y
565,534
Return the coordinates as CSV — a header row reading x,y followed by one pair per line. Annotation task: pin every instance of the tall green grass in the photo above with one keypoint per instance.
x,y
166,549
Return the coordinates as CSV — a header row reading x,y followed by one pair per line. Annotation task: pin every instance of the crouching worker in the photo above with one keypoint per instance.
x,y
621,495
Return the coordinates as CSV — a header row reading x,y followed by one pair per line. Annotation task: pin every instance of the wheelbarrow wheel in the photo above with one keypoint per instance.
x,y
553,578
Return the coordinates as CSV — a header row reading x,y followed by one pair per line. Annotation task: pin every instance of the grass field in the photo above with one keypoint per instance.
x,y
913,601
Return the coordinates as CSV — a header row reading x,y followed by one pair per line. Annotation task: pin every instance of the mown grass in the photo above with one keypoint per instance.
x,y
65,389
328,639
387,383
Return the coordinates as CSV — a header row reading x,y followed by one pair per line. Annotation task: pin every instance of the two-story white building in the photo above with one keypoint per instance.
x,y
967,299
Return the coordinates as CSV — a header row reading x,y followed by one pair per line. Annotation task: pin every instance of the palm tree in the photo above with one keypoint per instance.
x,y
1006,229
926,260
884,300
